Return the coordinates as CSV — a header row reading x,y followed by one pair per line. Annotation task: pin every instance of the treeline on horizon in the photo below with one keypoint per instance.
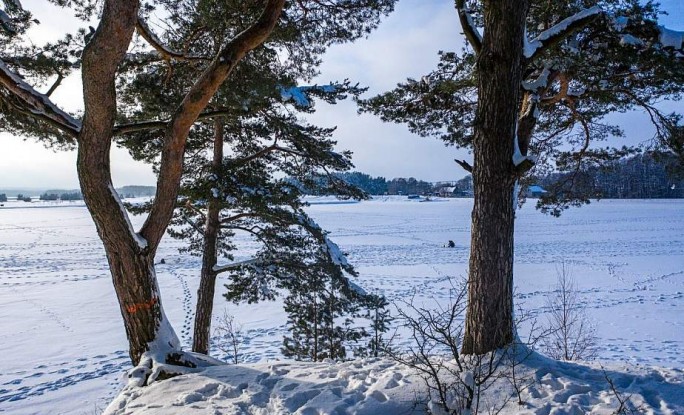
x,y
69,195
644,176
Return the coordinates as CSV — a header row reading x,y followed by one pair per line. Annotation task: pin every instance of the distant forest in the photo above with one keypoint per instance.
x,y
65,195
645,176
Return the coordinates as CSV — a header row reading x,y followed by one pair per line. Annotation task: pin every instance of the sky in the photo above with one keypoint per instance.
x,y
405,45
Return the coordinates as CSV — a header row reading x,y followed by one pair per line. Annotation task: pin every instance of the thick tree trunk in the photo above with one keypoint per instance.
x,y
489,318
205,292
130,256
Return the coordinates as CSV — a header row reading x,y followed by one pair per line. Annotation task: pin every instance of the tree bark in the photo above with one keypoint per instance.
x,y
205,292
129,256
489,317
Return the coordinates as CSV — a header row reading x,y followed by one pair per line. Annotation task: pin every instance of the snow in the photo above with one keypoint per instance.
x,y
63,348
297,94
378,387
671,38
630,40
620,23
142,243
539,83
531,47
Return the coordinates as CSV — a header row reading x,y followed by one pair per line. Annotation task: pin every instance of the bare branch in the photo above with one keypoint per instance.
x,y
54,86
465,165
162,124
167,54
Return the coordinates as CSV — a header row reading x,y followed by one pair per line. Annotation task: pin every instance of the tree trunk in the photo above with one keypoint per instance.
x,y
489,317
205,292
130,256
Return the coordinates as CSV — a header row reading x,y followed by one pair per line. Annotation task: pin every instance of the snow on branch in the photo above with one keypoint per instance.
x,y
35,104
560,31
668,38
540,83
671,38
469,29
297,94
235,265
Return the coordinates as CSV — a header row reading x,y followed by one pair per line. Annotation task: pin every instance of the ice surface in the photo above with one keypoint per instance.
x,y
63,348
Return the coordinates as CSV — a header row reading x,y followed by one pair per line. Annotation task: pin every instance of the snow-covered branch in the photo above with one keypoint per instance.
x,y
37,105
672,39
228,267
560,31
469,29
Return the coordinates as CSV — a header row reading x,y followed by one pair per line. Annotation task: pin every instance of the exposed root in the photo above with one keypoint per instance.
x,y
151,368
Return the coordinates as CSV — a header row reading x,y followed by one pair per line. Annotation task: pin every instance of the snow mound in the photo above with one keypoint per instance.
x,y
377,386
370,386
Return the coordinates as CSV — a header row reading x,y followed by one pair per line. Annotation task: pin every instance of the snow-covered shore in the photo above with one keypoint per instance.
x,y
63,348
382,387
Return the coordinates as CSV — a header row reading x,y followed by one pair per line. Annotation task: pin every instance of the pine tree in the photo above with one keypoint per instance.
x,y
322,306
530,93
209,40
378,314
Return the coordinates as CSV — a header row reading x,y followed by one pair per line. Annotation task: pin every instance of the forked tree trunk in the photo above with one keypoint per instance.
x,y
205,292
489,317
130,256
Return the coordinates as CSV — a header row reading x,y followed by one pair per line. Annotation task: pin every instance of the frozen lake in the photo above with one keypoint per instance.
x,y
63,347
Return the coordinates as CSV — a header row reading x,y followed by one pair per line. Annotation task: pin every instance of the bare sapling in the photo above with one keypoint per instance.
x,y
229,336
571,336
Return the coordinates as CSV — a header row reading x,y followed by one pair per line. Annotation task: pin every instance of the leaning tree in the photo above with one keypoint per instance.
x,y
103,56
530,93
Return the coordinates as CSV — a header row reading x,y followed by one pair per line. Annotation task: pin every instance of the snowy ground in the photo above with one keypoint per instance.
x,y
63,349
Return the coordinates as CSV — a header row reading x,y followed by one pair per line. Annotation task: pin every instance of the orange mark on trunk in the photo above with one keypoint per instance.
x,y
134,308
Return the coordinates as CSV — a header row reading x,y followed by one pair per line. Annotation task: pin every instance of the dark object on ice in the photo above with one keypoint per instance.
x,y
414,196
162,261
451,244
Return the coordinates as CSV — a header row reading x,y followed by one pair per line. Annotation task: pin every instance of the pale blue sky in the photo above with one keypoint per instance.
x,y
405,45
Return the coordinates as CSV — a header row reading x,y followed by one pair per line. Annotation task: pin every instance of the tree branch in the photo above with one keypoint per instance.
x,y
466,166
54,86
195,101
162,124
469,29
35,104
228,267
554,35
167,54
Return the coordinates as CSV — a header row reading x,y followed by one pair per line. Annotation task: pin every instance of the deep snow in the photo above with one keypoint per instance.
x,y
63,349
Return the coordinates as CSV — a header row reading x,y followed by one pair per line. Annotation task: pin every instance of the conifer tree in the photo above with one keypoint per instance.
x,y
321,306
380,318
209,44
530,93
